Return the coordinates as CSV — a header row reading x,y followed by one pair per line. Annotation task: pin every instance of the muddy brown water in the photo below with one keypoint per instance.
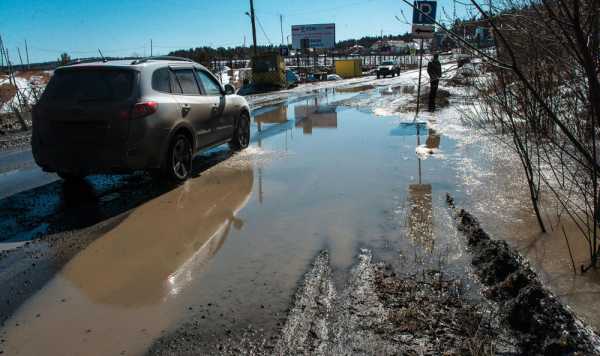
x,y
227,248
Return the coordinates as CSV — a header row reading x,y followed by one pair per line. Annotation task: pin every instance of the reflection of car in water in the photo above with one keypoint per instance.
x,y
154,250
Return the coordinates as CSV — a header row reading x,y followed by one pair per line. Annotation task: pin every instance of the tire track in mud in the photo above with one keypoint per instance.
x,y
377,313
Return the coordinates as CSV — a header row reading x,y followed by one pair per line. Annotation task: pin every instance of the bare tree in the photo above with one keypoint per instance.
x,y
64,58
545,93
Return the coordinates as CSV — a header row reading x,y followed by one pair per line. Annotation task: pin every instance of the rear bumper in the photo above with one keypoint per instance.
x,y
385,71
86,159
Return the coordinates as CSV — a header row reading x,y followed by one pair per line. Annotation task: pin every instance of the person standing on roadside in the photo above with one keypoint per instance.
x,y
434,69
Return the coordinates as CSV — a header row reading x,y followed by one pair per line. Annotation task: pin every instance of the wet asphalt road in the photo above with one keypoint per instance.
x,y
127,265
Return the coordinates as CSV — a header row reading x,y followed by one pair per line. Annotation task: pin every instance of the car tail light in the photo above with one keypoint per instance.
x,y
144,109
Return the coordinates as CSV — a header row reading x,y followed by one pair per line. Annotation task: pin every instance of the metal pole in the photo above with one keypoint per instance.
x,y
419,86
253,25
281,25
20,59
151,47
1,53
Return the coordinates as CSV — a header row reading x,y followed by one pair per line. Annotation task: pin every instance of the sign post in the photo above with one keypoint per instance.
x,y
423,26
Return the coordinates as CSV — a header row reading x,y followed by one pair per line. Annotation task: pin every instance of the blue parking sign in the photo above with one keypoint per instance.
x,y
427,14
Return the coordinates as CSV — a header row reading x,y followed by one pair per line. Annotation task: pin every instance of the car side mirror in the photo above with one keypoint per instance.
x,y
229,89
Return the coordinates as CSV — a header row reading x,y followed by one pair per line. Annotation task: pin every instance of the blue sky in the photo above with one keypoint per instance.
x,y
125,27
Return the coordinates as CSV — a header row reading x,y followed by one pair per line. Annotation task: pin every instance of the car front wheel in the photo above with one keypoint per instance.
x,y
241,136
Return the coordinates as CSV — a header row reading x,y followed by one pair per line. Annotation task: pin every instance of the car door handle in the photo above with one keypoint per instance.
x,y
215,108
185,109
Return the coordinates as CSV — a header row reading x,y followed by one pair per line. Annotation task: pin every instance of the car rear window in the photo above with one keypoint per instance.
x,y
88,84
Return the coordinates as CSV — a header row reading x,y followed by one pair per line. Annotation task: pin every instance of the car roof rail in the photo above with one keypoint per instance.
x,y
161,58
82,61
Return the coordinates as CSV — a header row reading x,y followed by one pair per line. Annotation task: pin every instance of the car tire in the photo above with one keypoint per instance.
x,y
378,76
70,177
178,163
241,135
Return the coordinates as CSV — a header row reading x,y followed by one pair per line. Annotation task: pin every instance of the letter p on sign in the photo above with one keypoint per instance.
x,y
425,15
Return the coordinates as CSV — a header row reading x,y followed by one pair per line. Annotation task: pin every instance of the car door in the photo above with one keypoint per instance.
x,y
223,116
196,108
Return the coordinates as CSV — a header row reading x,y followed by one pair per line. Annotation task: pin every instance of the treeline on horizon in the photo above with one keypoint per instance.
x,y
205,54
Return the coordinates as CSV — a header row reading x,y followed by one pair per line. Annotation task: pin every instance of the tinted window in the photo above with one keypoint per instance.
x,y
87,84
187,81
211,87
175,87
161,80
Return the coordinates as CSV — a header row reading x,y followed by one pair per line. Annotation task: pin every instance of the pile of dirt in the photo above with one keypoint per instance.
x,y
442,100
11,124
377,313
36,76
542,324
12,139
7,92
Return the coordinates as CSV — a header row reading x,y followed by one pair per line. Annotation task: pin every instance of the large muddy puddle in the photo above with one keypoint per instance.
x,y
227,248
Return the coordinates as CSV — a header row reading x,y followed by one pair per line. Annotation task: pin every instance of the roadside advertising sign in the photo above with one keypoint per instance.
x,y
313,36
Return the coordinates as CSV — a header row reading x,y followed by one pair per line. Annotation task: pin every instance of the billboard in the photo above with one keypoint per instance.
x,y
313,36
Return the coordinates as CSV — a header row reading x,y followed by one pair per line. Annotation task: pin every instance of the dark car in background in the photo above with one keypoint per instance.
x,y
151,114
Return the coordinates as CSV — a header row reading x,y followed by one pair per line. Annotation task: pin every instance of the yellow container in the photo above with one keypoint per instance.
x,y
348,68
268,69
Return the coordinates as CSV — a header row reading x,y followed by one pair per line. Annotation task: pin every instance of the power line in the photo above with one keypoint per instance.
x,y
263,30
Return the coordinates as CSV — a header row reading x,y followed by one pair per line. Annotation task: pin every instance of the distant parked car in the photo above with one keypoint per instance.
x,y
119,116
292,78
334,77
388,68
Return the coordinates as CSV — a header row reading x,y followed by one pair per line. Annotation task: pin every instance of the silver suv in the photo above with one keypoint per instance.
x,y
151,114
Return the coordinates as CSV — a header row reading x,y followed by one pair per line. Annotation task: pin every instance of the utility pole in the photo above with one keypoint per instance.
x,y
252,18
27,54
151,47
281,25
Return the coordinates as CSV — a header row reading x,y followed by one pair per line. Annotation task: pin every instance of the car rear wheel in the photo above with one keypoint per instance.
x,y
178,165
241,136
